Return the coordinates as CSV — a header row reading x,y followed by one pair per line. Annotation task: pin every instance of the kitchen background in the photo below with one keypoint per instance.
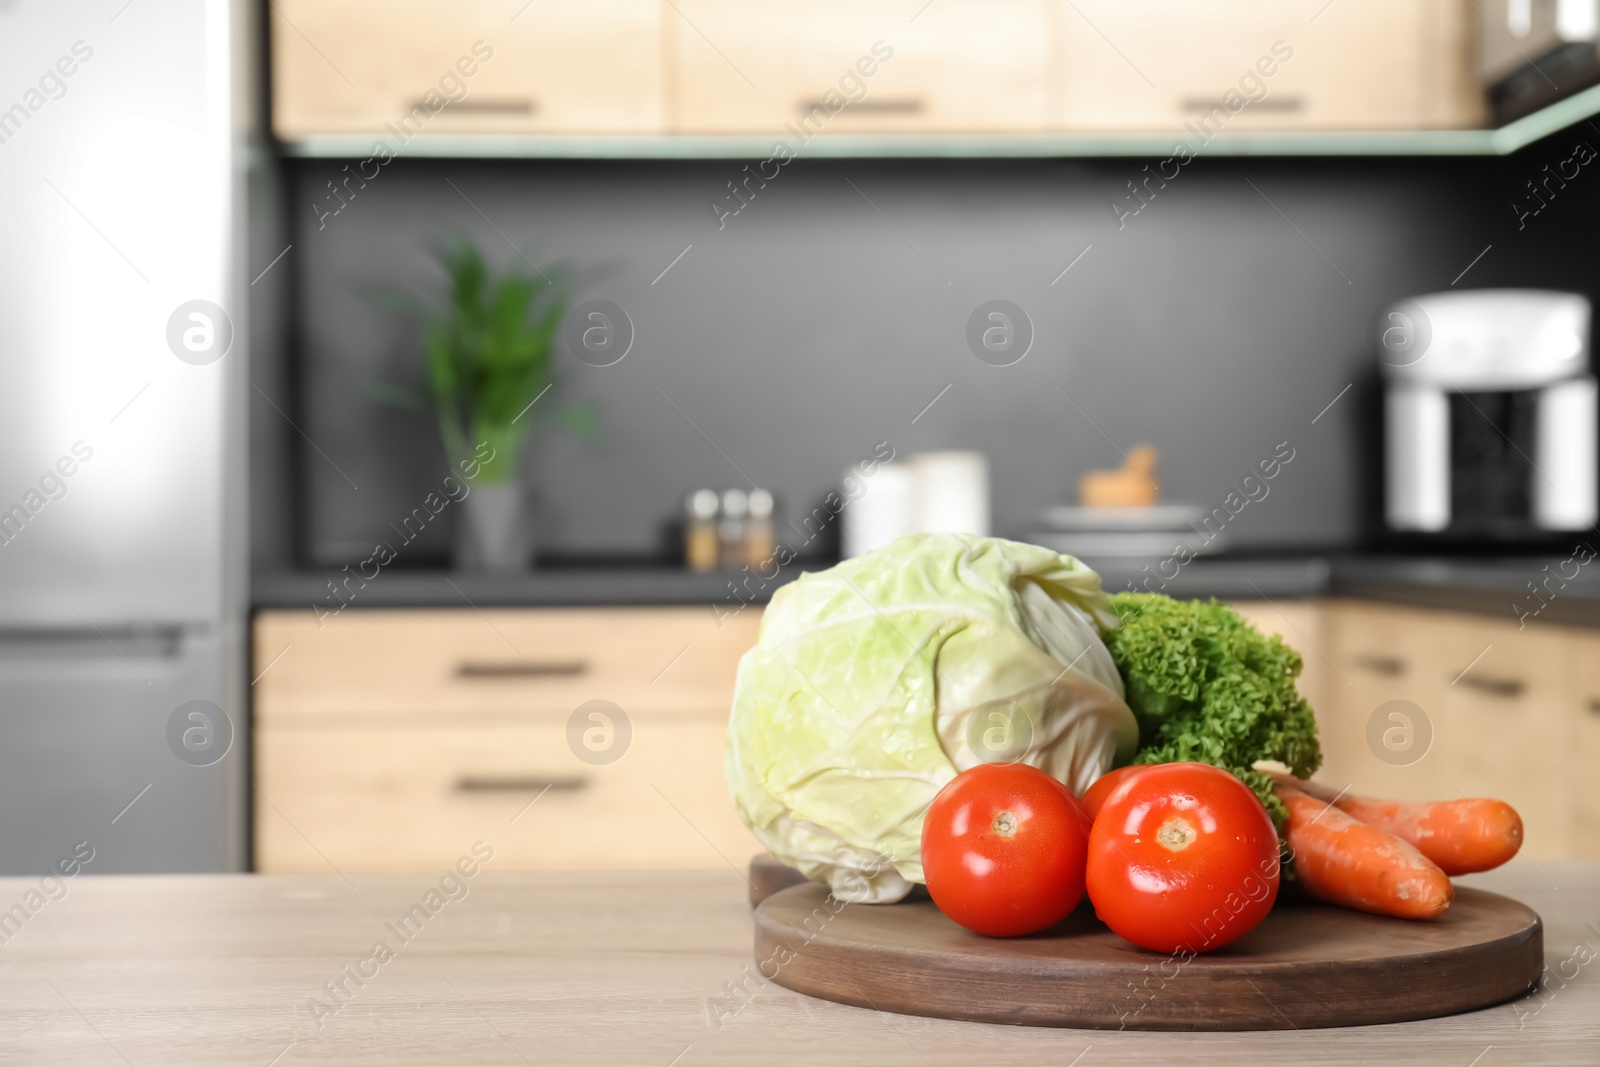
x,y
561,677
809,327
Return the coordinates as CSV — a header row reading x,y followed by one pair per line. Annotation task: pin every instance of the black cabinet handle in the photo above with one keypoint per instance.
x,y
477,106
1389,666
473,783
1505,688
902,106
522,669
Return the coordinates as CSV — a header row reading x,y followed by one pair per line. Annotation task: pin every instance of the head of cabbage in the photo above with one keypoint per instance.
x,y
875,682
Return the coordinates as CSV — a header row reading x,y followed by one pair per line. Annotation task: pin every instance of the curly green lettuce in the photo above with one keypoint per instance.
x,y
1206,686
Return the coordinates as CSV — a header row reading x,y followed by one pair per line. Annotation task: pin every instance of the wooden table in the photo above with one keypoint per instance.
x,y
612,968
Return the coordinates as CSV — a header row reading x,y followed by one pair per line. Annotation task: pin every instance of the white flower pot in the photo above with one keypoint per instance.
x,y
493,533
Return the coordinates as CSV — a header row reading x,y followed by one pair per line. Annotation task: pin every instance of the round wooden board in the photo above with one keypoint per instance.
x,y
1307,965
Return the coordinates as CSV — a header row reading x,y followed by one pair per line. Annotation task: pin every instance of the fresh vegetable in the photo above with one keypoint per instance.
x,y
1342,860
871,680
1003,848
1182,858
1460,836
1206,686
1096,794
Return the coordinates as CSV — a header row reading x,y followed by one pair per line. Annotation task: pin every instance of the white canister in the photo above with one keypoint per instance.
x,y
884,510
952,492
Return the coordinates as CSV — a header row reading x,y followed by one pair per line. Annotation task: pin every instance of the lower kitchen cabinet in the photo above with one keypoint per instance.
x,y
1421,704
566,738
416,798
1433,705
1584,756
393,739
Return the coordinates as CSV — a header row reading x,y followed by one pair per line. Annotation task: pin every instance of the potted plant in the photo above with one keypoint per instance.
x,y
489,343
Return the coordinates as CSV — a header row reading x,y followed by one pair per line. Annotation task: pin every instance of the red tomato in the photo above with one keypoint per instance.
x,y
1096,794
1183,858
1003,847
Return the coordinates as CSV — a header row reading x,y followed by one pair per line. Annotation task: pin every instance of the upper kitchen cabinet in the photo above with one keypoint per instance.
x,y
797,68
397,68
986,78
1200,68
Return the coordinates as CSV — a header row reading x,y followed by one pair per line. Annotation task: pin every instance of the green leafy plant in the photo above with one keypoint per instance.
x,y
490,348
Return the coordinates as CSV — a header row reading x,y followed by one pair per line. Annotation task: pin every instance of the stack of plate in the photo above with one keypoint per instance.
x,y
1127,533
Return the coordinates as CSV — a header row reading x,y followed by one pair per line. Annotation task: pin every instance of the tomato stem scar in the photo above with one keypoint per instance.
x,y
1005,824
1176,834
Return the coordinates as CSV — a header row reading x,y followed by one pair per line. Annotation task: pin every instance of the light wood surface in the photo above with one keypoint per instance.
x,y
602,969
1307,965
1503,705
1586,753
556,66
1364,64
438,666
384,800
960,66
727,67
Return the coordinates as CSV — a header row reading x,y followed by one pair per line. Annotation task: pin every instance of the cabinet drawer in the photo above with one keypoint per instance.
x,y
1504,727
442,665
554,66
1496,699
1363,64
1383,653
397,799
1586,745
959,65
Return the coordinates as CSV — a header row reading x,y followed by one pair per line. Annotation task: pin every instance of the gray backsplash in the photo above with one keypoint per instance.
x,y
1215,324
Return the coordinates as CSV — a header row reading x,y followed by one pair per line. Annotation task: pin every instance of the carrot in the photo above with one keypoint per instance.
x,y
1344,861
1461,836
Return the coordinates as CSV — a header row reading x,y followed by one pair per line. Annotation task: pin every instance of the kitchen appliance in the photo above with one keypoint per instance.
x,y
123,578
1534,52
1489,415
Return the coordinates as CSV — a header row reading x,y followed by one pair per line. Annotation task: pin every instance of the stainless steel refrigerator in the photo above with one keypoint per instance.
x,y
122,400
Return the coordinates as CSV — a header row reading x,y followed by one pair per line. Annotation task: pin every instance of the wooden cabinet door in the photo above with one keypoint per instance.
x,y
1378,737
436,666
1361,64
390,799
1585,755
394,68
392,739
1504,727
1494,701
794,68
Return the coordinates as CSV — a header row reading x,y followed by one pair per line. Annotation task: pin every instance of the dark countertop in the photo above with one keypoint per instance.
x,y
1498,586
619,585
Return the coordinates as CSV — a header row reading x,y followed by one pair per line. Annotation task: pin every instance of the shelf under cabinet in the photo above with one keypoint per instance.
x,y
1498,142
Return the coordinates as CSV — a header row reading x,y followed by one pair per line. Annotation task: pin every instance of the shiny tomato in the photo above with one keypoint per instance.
x,y
1003,848
1183,858
1096,794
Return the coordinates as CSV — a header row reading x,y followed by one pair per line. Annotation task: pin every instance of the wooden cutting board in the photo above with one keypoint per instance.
x,y
1306,965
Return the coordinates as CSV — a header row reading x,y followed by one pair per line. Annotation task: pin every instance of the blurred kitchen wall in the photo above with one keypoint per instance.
x,y
1218,321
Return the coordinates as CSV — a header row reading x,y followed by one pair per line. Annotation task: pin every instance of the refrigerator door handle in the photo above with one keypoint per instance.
x,y
41,645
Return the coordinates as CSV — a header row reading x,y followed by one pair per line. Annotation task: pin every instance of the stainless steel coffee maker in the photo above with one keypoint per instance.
x,y
1489,415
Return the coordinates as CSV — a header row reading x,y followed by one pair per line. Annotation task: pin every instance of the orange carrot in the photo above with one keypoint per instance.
x,y
1461,836
1347,862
